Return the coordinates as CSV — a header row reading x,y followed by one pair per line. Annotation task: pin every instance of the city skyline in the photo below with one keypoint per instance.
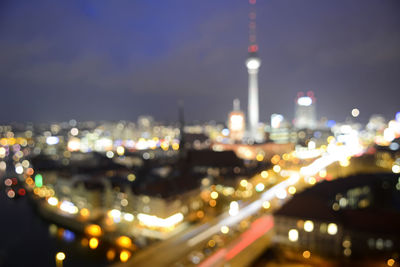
x,y
94,61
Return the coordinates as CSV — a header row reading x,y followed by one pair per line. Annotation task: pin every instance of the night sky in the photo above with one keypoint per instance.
x,y
112,60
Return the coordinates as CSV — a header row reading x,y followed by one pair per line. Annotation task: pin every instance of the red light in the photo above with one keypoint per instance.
x,y
300,94
252,2
14,181
310,94
21,192
253,48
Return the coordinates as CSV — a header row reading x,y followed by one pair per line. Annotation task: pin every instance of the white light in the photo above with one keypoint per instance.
x,y
74,144
233,208
396,168
19,169
304,101
311,145
253,63
260,187
236,122
293,235
68,207
355,112
52,140
308,226
389,135
128,217
109,154
276,120
281,193
332,229
74,131
53,201
154,221
115,213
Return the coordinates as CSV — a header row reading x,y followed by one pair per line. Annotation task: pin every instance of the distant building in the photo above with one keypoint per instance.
x,y
305,112
236,123
354,216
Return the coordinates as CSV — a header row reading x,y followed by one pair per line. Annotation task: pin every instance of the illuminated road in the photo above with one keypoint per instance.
x,y
170,251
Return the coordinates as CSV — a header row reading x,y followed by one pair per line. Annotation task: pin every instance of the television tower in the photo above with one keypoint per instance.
x,y
253,63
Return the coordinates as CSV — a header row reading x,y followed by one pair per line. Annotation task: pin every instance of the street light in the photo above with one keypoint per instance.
x,y
60,257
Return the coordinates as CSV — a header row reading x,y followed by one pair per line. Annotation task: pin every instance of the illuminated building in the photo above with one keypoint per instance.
x,y
305,113
236,122
253,63
354,216
280,130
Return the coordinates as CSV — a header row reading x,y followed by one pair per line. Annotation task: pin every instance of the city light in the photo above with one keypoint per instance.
x,y
154,221
124,255
93,243
308,226
60,256
93,230
304,101
332,229
52,201
293,235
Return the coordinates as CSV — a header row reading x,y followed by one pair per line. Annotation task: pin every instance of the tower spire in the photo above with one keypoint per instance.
x,y
253,64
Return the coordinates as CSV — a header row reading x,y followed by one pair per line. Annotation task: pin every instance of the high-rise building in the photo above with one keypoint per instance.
x,y
305,113
253,63
236,122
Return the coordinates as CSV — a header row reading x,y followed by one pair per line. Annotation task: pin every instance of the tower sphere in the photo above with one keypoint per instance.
x,y
253,63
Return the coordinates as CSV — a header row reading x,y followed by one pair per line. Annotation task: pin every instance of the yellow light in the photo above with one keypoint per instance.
x,y
131,177
259,157
322,173
85,212
308,226
120,150
306,254
292,190
224,229
175,146
124,255
264,174
211,243
277,168
93,243
312,180
332,229
214,195
293,235
390,262
243,183
60,256
154,221
266,204
275,159
93,230
124,241
344,163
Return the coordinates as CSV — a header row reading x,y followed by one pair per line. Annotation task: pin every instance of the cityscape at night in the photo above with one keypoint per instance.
x,y
200,133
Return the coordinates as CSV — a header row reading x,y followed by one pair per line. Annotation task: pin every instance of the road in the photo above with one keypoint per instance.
x,y
173,250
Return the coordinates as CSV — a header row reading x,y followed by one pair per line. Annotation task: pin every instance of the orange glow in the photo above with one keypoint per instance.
x,y
124,241
85,213
212,203
110,254
93,230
